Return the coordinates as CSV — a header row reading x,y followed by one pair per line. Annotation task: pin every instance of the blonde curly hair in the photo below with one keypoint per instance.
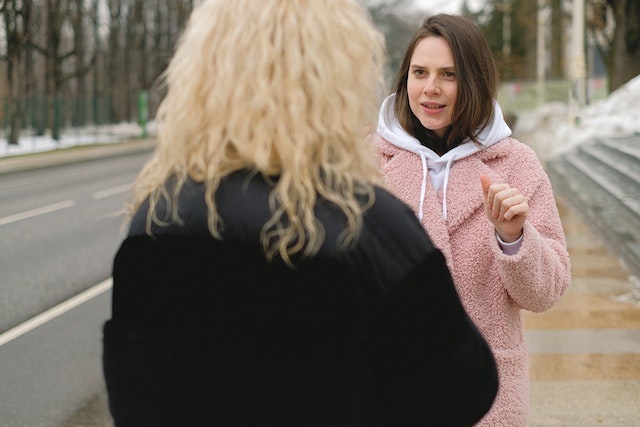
x,y
287,88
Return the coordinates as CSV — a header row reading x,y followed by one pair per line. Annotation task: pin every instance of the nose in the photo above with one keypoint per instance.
x,y
431,87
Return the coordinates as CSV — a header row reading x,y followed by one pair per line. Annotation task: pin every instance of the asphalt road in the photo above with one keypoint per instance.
x,y
54,371
59,230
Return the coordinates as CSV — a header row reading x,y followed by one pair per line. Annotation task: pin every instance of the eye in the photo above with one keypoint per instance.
x,y
449,75
418,72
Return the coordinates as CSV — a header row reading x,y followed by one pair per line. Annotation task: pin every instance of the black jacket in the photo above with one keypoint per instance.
x,y
208,333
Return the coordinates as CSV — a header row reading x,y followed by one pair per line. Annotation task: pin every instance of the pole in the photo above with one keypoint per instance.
x,y
506,33
577,62
540,52
143,111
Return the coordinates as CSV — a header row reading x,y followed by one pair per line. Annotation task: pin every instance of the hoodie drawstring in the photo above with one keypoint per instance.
x,y
423,191
447,170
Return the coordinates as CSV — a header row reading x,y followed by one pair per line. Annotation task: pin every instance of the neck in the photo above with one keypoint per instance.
x,y
429,139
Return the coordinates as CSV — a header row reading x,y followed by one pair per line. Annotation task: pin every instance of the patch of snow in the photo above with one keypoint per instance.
x,y
550,131
113,133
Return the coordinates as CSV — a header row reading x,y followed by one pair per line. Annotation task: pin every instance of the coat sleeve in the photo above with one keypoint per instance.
x,y
434,366
539,274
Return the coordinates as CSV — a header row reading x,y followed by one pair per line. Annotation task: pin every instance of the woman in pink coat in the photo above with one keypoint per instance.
x,y
482,196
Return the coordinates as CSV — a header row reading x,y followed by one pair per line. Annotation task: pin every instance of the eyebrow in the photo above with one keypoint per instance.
x,y
447,68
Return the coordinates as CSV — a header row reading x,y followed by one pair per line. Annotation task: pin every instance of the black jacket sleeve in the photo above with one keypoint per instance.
x,y
434,366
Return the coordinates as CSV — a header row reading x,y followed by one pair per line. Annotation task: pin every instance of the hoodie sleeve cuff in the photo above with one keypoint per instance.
x,y
510,248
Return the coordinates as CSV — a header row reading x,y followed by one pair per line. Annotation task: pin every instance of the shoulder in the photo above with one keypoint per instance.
x,y
388,225
385,147
519,165
392,241
509,147
191,216
241,199
511,154
389,211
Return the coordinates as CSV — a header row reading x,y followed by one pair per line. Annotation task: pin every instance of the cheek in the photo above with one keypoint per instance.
x,y
413,90
453,93
414,105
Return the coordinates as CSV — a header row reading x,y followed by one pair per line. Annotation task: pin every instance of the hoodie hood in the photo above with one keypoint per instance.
x,y
435,166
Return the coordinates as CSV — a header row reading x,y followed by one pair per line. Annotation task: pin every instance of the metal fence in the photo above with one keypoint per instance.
x,y
519,96
69,118
38,112
66,121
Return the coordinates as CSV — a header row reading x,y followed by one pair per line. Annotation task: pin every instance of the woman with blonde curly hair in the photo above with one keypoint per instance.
x,y
266,278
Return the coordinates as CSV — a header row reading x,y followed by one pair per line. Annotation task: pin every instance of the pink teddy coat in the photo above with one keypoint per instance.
x,y
494,287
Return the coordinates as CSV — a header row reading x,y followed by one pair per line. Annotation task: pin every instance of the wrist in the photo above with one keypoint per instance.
x,y
509,238
509,248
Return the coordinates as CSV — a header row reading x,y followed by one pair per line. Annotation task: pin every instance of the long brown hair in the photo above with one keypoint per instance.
x,y
476,76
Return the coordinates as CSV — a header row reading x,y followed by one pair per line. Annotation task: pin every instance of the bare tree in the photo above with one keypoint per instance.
x,y
623,59
52,48
80,19
618,43
15,15
97,77
61,18
53,60
558,39
114,54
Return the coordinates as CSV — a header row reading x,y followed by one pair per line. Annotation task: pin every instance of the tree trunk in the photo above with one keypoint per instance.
x,y
81,109
557,40
624,55
14,107
113,57
13,30
53,67
95,81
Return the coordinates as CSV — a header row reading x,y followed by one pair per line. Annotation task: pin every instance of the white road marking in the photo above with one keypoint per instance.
x,y
56,311
38,211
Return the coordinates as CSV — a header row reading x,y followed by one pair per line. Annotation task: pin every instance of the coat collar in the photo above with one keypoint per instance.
x,y
464,196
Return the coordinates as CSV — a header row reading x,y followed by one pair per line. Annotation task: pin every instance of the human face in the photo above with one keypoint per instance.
x,y
432,86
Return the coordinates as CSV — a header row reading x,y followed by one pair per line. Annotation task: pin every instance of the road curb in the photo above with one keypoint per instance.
x,y
73,154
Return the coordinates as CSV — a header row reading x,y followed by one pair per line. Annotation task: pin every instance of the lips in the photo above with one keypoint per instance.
x,y
430,107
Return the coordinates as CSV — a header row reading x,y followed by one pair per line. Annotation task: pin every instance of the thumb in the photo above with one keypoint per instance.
x,y
486,183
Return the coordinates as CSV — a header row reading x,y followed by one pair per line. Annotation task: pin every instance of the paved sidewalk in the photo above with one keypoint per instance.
x,y
585,351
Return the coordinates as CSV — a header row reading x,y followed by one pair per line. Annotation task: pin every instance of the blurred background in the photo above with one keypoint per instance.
x,y
89,67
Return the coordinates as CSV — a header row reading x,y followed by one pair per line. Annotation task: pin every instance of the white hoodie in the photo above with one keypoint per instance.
x,y
437,167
